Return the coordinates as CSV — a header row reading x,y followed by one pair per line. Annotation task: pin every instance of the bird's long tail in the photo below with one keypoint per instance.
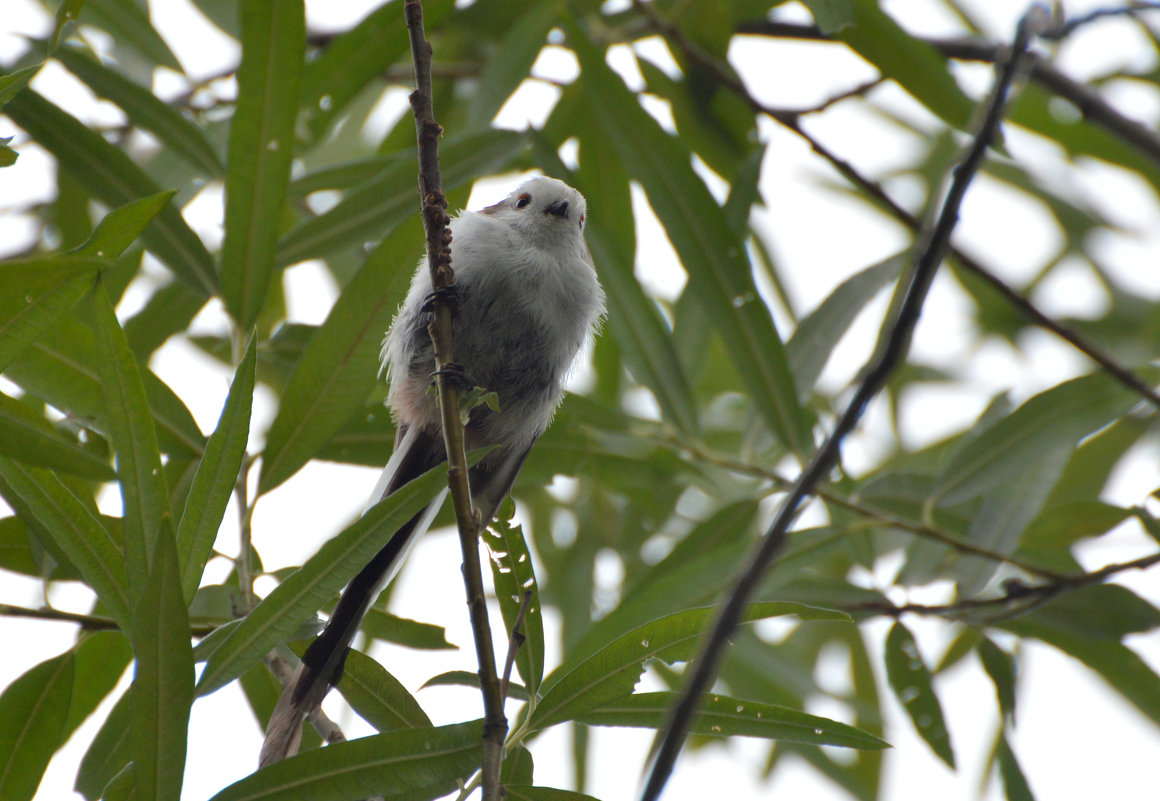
x,y
415,453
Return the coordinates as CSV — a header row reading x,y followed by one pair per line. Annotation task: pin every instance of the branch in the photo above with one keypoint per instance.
x,y
435,220
934,243
326,728
1089,102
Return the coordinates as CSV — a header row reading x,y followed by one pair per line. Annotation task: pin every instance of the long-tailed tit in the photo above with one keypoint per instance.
x,y
526,300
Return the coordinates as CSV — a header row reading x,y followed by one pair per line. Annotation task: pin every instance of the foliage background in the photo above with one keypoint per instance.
x,y
985,471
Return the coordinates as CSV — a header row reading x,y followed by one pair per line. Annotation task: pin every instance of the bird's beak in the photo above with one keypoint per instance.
x,y
558,209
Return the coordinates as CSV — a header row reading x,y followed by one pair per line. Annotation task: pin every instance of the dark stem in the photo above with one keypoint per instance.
x,y
933,244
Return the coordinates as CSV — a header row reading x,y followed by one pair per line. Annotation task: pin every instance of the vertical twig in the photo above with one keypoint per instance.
x,y
435,220
931,247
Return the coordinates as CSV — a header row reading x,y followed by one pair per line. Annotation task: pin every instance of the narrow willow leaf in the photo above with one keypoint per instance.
x,y
517,768
831,15
144,110
144,496
371,211
101,659
216,476
721,716
378,697
26,436
512,61
412,764
34,709
719,272
523,792
576,688
109,175
260,150
14,82
169,311
123,225
915,65
912,684
340,364
513,576
381,625
818,333
76,531
109,752
1000,666
633,318
324,574
34,293
162,689
127,23
1014,782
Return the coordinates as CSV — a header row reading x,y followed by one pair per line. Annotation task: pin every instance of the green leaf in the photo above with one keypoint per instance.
x,y
413,764
216,477
577,687
324,574
162,689
145,110
8,156
378,697
720,275
371,211
169,311
523,792
915,65
818,333
511,63
831,16
101,659
127,23
25,435
912,684
34,709
1014,782
34,293
261,147
109,753
109,175
384,626
721,716
1059,528
74,529
513,576
340,364
144,496
1000,666
123,225
633,319
14,82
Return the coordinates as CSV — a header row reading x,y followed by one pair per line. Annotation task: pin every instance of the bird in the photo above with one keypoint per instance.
x,y
526,303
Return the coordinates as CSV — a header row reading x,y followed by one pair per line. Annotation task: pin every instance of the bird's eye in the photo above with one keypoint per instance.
x,y
523,200
583,217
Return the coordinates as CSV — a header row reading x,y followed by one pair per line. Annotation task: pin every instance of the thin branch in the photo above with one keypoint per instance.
x,y
1091,105
86,622
326,728
515,642
934,244
435,221
1069,27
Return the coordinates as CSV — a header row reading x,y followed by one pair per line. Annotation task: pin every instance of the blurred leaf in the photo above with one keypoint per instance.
x,y
512,576
366,437
832,16
34,708
911,681
378,697
818,333
162,689
217,475
511,62
410,633
721,716
633,318
144,496
467,678
579,686
261,147
110,175
26,436
34,293
144,110
169,311
1060,528
101,659
14,82
74,529
412,764
1014,782
127,23
915,65
324,574
719,273
340,364
1000,666
522,792
15,550
374,209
